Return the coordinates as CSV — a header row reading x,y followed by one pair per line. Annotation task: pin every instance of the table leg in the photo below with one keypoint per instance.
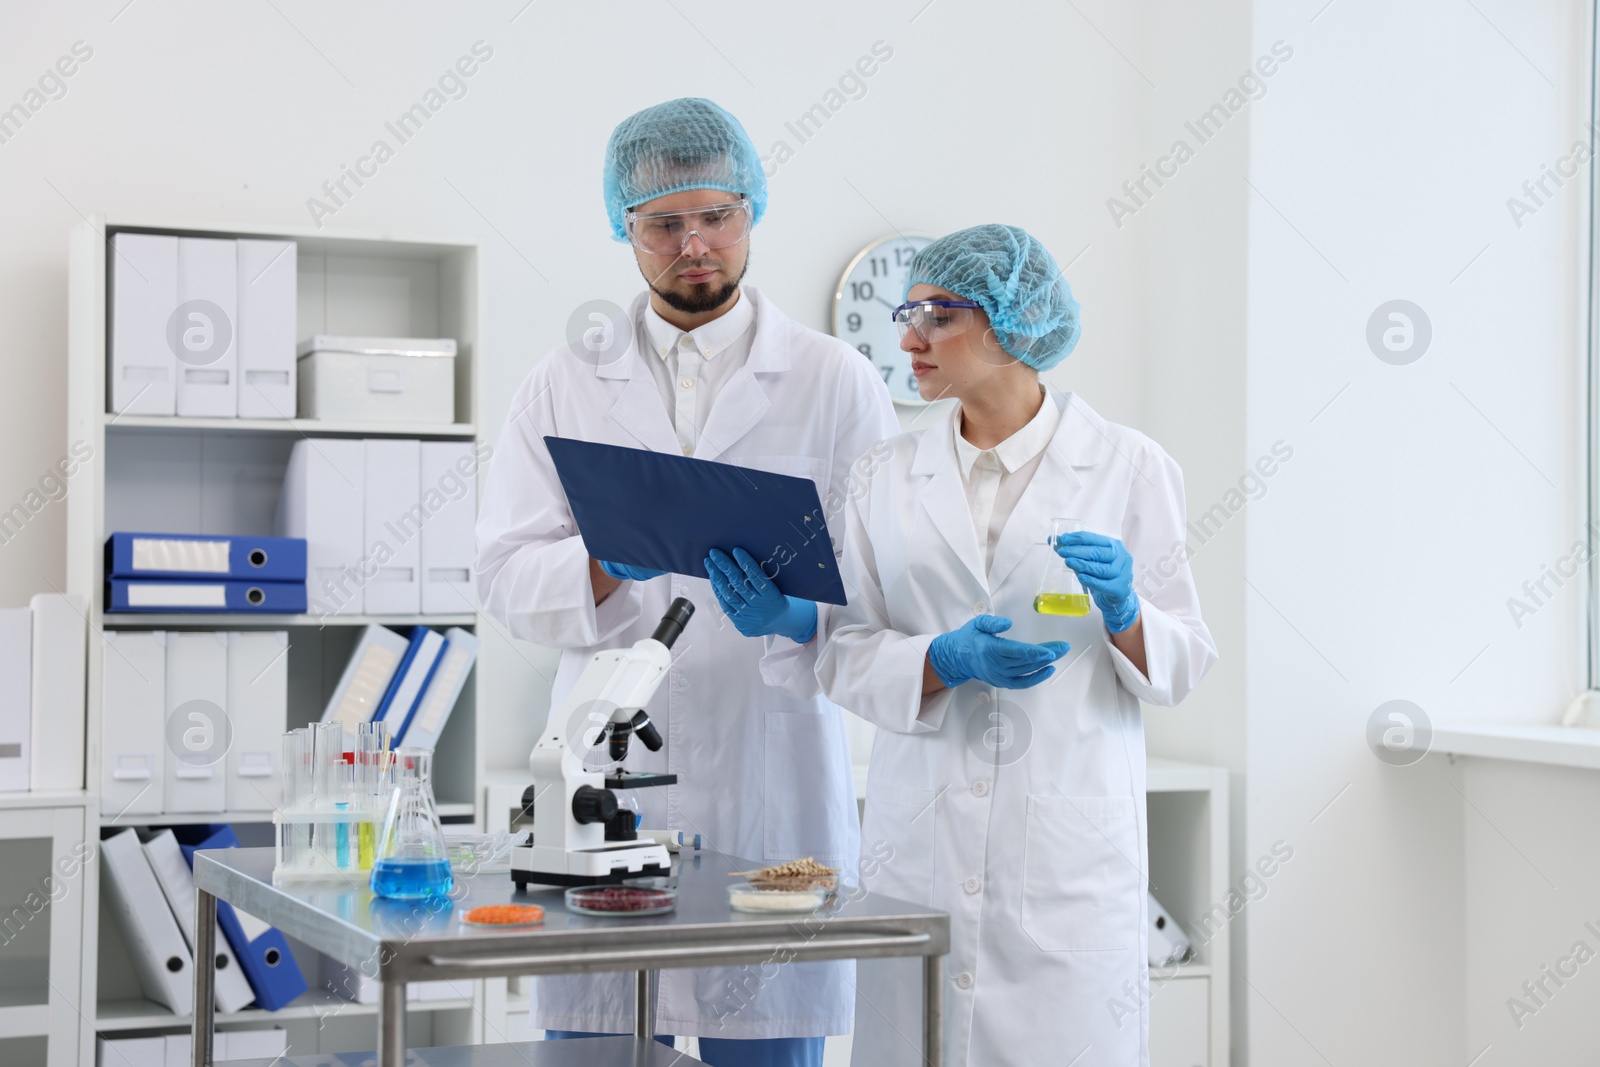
x,y
644,1004
933,1011
205,976
392,1024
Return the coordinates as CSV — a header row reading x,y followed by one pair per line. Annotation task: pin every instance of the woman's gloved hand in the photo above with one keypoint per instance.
x,y
1105,567
975,652
753,603
624,572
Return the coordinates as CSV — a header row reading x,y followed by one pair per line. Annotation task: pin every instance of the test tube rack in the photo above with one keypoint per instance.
x,y
335,803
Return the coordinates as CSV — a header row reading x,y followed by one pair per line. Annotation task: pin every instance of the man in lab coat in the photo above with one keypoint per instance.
x,y
700,365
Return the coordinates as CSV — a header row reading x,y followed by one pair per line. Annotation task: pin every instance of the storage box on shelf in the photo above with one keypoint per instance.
x,y
216,474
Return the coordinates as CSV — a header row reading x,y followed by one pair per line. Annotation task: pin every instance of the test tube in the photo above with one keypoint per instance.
x,y
288,855
346,773
327,758
289,766
372,750
297,763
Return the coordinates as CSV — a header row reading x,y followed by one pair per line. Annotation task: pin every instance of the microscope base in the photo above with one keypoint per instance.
x,y
601,866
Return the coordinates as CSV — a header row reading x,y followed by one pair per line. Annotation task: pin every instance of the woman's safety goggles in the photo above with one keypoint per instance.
x,y
935,320
667,233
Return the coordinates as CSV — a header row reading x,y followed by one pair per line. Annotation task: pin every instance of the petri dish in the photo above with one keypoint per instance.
x,y
621,901
760,899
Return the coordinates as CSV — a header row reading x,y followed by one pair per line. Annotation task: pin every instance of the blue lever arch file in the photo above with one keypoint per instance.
x,y
166,595
654,509
262,951
164,555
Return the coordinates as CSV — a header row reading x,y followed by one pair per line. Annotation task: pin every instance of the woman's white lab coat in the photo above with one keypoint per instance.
x,y
762,758
1020,812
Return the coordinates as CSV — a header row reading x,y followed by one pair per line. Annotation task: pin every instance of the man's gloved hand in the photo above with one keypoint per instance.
x,y
625,572
975,652
753,603
1105,567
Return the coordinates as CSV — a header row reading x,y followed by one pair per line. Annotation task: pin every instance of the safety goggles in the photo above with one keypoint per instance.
x,y
667,233
935,320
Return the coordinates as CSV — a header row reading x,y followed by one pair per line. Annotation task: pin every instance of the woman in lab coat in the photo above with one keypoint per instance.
x,y
1007,783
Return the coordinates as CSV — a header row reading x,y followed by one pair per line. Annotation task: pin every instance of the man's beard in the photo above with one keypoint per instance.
x,y
702,297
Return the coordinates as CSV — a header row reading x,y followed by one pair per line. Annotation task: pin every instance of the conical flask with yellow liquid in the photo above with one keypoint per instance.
x,y
1060,592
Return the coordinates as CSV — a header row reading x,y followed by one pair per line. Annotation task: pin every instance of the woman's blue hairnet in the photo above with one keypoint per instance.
x,y
1014,280
682,144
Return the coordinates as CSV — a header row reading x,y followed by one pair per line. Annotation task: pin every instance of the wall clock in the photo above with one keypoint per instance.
x,y
869,291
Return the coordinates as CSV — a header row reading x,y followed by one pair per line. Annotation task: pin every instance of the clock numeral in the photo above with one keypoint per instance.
x,y
903,256
860,290
879,263
911,382
865,350
852,322
886,372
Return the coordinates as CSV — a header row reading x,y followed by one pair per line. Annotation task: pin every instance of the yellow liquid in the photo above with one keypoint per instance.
x,y
366,840
1061,603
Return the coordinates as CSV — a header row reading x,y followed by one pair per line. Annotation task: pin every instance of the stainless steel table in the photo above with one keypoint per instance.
x,y
398,942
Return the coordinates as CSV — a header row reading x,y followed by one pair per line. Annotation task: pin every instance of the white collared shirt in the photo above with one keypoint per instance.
x,y
996,477
691,368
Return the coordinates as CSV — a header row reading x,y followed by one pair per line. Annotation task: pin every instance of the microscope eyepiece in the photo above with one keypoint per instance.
x,y
673,622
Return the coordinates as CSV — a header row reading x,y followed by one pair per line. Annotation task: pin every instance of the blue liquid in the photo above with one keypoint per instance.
x,y
342,839
411,879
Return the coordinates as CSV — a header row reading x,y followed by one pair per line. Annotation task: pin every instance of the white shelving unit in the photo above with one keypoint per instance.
x,y
1188,832
1188,838
43,842
222,476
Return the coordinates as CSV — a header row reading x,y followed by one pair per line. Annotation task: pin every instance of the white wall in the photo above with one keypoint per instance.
x,y
1417,502
235,116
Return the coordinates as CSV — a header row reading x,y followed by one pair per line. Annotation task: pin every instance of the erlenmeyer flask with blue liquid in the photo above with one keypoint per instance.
x,y
411,860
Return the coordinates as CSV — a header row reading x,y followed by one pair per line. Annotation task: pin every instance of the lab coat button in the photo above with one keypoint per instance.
x,y
972,885
687,383
688,450
983,698
964,980
980,788
981,608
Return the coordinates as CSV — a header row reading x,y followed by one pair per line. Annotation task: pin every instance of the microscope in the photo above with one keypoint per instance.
x,y
584,825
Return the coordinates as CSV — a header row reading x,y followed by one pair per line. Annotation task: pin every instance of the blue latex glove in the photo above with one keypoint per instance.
x,y
1105,567
624,572
974,652
749,598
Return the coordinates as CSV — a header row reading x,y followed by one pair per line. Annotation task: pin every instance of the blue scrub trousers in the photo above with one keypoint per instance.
x,y
722,1052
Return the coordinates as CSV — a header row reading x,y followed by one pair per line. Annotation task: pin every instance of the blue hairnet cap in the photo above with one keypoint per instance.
x,y
682,144
1016,282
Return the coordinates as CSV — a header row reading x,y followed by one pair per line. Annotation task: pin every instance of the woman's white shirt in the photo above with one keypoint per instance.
x,y
995,477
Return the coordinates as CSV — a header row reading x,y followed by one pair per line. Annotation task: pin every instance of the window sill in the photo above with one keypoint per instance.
x,y
1562,746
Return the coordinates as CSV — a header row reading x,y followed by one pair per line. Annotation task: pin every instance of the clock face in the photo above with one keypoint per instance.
x,y
868,293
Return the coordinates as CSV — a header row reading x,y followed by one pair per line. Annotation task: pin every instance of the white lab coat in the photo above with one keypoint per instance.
x,y
1020,812
763,762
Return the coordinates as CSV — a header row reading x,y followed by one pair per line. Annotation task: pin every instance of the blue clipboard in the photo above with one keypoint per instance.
x,y
654,509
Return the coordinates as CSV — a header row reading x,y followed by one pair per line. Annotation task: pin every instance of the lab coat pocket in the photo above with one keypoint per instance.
x,y
806,812
1081,884
900,842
